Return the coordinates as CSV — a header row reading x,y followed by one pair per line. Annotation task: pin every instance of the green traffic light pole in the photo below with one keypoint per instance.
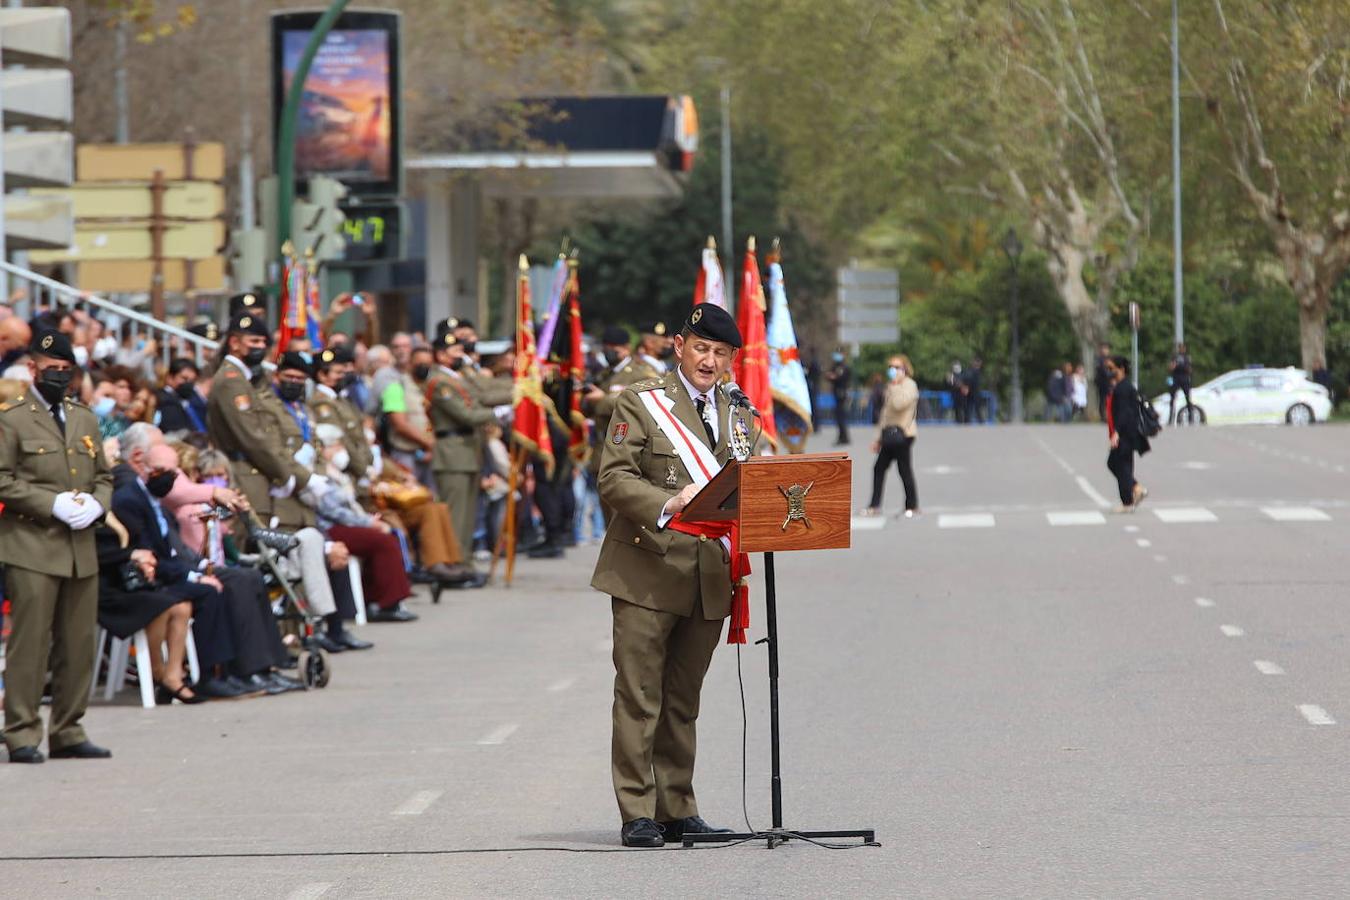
x,y
290,113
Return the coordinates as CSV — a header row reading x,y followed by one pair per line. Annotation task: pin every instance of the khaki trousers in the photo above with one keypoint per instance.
x,y
436,540
53,620
659,663
459,491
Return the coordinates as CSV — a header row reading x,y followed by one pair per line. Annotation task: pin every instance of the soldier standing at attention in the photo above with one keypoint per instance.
x,y
456,420
54,485
670,590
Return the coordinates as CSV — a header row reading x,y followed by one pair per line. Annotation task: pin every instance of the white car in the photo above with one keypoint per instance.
x,y
1252,396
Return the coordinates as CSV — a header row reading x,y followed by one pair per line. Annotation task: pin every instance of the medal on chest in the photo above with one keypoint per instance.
x,y
740,439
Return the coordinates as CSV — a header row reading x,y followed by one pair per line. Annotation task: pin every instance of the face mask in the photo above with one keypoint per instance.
x,y
81,357
457,363
291,391
893,372
341,460
838,357
216,481
52,383
469,346
421,372
104,407
186,389
254,357
667,352
347,381
160,485
611,358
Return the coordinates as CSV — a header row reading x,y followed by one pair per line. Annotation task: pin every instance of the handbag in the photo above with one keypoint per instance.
x,y
398,496
893,437
133,579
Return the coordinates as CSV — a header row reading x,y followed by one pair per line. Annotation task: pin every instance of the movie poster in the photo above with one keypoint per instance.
x,y
345,128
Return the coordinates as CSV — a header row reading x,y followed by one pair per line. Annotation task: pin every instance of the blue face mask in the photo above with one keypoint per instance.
x,y
838,357
104,407
892,373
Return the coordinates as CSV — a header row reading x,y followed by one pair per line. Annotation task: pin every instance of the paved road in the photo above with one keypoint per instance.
x,y
1024,694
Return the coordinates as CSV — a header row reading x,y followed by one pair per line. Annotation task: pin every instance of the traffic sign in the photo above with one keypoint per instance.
x,y
135,200
133,240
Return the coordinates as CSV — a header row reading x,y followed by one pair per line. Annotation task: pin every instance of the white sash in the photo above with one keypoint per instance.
x,y
698,460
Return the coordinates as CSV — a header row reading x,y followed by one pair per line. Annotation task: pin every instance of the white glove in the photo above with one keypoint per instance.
x,y
65,507
502,411
305,456
317,486
86,513
280,493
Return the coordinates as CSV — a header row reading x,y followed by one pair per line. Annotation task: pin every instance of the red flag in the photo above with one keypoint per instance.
x,y
751,368
578,442
530,425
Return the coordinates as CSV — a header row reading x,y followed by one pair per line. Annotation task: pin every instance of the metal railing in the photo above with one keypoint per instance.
x,y
32,293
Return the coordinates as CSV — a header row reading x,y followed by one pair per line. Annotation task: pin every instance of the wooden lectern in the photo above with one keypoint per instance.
x,y
781,503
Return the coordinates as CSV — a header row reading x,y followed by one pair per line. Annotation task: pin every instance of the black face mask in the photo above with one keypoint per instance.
x,y
291,391
347,381
457,363
420,372
186,390
53,383
611,358
160,485
254,357
667,352
468,346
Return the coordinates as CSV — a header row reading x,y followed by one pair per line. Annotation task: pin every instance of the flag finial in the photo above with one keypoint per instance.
x,y
524,263
712,242
750,244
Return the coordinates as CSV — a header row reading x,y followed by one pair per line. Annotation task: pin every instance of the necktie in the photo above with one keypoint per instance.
x,y
701,405
60,420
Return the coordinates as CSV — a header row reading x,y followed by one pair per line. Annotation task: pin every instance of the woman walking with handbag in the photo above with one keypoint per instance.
x,y
899,428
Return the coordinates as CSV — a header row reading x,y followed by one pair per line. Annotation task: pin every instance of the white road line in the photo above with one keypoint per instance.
x,y
1295,514
1181,579
1204,602
312,891
1092,492
1091,517
1158,557
417,803
1315,714
1266,667
1231,631
499,735
1131,529
561,685
867,523
1179,515
974,520
1143,542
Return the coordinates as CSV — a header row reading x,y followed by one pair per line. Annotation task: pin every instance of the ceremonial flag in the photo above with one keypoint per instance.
x,y
787,377
751,368
312,314
578,442
529,427
561,280
294,299
710,288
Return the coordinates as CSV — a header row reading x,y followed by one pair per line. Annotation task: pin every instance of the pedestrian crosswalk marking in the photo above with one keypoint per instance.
x,y
1315,715
1091,517
972,520
1178,515
1295,514
868,523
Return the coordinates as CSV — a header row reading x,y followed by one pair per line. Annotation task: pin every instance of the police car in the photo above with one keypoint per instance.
x,y
1252,396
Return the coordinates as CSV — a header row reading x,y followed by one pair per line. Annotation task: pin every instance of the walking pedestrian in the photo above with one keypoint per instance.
x,y
956,391
1179,381
840,377
971,379
1080,392
1101,378
899,429
1126,437
1055,391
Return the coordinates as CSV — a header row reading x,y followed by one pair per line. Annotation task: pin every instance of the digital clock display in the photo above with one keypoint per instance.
x,y
372,232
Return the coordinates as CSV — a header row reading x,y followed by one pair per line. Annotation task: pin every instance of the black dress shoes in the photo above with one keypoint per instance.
x,y
217,689
325,641
26,755
691,825
642,833
284,683
547,550
392,614
82,750
348,641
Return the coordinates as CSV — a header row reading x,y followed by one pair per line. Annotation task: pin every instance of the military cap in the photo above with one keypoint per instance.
x,y
614,335
714,323
461,323
249,323
656,327
333,356
53,345
245,303
207,329
293,360
444,339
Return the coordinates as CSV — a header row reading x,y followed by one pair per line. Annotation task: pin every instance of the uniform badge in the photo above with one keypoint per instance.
x,y
740,440
671,478
242,403
89,447
620,432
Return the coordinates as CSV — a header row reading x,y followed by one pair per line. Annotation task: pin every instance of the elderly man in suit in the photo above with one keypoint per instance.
x,y
670,590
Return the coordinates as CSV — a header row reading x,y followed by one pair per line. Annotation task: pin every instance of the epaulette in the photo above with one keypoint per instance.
x,y
13,404
646,385
78,403
231,372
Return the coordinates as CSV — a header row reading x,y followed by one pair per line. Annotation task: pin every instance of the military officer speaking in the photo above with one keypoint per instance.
x,y
670,590
54,485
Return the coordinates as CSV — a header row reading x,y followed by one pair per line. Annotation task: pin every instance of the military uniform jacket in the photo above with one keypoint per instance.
x,y
36,464
486,389
456,419
330,409
630,371
289,511
245,429
642,563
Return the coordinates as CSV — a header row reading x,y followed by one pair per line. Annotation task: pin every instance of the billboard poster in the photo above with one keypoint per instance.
x,y
348,123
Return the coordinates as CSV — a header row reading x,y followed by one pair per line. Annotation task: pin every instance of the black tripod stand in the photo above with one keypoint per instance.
x,y
777,834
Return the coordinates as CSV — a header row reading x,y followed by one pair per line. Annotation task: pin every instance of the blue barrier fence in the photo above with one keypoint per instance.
x,y
935,408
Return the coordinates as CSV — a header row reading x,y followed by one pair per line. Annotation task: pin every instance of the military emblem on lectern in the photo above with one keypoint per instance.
x,y
796,500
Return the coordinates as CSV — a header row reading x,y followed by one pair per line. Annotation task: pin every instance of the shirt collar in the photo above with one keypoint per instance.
x,y
655,363
325,390
240,364
693,393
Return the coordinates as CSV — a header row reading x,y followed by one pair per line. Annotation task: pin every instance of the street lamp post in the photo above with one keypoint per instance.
x,y
1013,247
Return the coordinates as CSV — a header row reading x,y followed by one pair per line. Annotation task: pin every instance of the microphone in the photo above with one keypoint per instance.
x,y
738,398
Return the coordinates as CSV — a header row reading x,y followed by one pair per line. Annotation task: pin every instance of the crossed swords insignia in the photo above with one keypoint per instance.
x,y
796,498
